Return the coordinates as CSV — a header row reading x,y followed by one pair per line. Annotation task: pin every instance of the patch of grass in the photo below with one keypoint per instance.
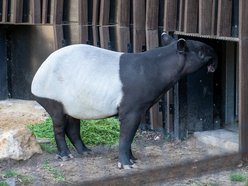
x,y
22,179
57,174
10,173
3,183
246,183
93,132
104,131
237,177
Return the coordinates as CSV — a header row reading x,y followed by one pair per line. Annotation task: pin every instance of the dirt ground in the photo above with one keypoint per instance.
x,y
151,149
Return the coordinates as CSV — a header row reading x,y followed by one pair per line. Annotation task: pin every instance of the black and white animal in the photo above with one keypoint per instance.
x,y
86,82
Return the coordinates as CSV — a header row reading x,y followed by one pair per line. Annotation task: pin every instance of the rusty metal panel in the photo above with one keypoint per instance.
x,y
29,47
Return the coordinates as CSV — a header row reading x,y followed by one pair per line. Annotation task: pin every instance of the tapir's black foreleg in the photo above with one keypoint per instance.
x,y
73,133
129,125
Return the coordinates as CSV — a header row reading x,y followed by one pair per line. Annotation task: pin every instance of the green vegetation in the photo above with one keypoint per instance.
x,y
22,179
93,132
237,177
246,183
57,174
3,183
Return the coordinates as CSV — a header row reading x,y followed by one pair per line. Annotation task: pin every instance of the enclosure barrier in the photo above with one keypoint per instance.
x,y
135,26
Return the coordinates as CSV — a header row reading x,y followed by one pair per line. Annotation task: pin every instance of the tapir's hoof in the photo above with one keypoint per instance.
x,y
121,166
64,158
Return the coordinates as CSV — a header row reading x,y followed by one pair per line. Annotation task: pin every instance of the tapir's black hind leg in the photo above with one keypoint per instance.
x,y
73,133
56,111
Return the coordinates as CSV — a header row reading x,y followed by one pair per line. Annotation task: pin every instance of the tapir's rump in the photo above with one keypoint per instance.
x,y
84,78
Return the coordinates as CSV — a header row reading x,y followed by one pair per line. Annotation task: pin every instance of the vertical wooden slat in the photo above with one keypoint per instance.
x,y
152,7
122,29
5,11
95,12
205,16
243,79
104,22
35,11
170,15
139,34
181,15
44,11
224,25
83,12
191,16
214,17
104,12
95,20
123,13
83,20
16,11
58,12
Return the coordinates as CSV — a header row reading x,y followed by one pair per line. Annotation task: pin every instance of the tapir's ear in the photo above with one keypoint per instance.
x,y
166,39
181,46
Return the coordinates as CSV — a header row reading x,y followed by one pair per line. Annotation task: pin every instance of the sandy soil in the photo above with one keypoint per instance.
x,y
150,148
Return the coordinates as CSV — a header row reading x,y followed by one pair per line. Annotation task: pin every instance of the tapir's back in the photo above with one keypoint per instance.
x,y
83,78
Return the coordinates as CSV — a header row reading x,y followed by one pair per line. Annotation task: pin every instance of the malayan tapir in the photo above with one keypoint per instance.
x,y
86,82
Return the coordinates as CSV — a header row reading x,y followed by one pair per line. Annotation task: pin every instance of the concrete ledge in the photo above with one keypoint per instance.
x,y
223,139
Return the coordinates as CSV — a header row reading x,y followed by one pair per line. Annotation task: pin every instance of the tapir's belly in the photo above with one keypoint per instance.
x,y
84,79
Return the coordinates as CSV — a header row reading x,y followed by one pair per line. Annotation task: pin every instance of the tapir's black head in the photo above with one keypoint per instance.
x,y
196,53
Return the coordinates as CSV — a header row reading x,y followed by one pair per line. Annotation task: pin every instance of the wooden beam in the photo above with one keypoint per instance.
x,y
5,10
103,22
58,11
44,11
152,41
104,12
123,21
214,15
170,15
191,16
95,12
205,16
35,11
181,15
139,21
152,9
16,11
123,13
83,12
224,25
243,79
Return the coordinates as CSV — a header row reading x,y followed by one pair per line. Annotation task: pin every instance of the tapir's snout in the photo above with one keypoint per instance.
x,y
211,68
